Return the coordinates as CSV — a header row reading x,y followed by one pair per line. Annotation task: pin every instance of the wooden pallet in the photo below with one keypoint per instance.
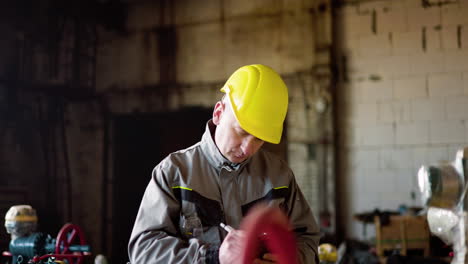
x,y
402,233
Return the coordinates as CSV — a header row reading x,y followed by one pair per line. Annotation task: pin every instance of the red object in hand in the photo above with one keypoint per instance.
x,y
269,227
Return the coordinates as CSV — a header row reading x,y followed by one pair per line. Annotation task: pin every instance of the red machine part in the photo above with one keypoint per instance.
x,y
70,234
268,226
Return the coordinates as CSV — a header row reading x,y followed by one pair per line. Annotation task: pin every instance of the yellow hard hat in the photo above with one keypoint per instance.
x,y
259,99
21,213
327,252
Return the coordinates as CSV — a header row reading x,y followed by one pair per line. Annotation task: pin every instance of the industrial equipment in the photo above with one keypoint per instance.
x,y
443,188
27,246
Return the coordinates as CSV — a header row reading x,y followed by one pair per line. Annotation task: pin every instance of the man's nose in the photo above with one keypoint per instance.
x,y
250,144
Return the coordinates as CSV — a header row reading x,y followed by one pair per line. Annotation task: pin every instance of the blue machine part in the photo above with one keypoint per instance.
x,y
36,244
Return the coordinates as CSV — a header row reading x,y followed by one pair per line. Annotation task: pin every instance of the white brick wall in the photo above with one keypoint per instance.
x,y
375,45
447,132
454,148
454,14
456,61
366,158
447,84
369,6
417,113
269,41
465,82
208,49
205,41
423,17
357,179
373,179
386,178
406,182
353,135
364,114
410,88
214,38
354,93
363,67
427,63
198,96
396,158
408,4
466,131
379,135
412,133
194,11
376,91
457,108
390,112
449,37
355,24
385,113
391,21
427,155
428,109
243,7
464,36
395,66
406,43
296,43
433,40
352,46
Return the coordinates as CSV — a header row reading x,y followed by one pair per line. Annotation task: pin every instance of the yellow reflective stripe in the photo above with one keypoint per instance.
x,y
22,218
281,187
181,187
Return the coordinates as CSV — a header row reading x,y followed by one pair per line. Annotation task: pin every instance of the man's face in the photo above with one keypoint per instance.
x,y
234,142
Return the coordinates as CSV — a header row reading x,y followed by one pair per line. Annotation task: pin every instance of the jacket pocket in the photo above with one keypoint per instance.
x,y
199,216
276,197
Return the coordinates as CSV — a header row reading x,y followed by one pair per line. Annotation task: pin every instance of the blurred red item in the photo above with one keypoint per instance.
x,y
268,227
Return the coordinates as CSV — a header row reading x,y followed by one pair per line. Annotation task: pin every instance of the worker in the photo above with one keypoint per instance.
x,y
220,178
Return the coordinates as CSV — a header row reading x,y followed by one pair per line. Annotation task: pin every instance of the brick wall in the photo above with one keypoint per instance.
x,y
212,39
172,54
403,99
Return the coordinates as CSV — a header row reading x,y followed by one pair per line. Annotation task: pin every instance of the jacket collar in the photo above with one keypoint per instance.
x,y
212,153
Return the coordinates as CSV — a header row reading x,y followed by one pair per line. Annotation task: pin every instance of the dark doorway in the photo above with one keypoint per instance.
x,y
140,142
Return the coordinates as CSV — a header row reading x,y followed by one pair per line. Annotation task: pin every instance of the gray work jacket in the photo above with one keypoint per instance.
x,y
192,190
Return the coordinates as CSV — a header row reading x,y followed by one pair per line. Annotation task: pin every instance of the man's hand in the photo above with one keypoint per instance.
x,y
230,250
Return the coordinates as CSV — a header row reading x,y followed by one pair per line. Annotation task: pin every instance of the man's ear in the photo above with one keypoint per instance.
x,y
218,112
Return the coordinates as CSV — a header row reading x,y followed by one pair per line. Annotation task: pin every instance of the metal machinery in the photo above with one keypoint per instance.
x,y
28,246
443,188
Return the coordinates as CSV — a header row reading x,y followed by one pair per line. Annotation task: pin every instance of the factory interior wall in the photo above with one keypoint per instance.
x,y
208,44
402,95
402,99
402,71
61,97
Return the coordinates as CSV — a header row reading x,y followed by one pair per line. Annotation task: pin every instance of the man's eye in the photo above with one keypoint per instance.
x,y
258,140
241,132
